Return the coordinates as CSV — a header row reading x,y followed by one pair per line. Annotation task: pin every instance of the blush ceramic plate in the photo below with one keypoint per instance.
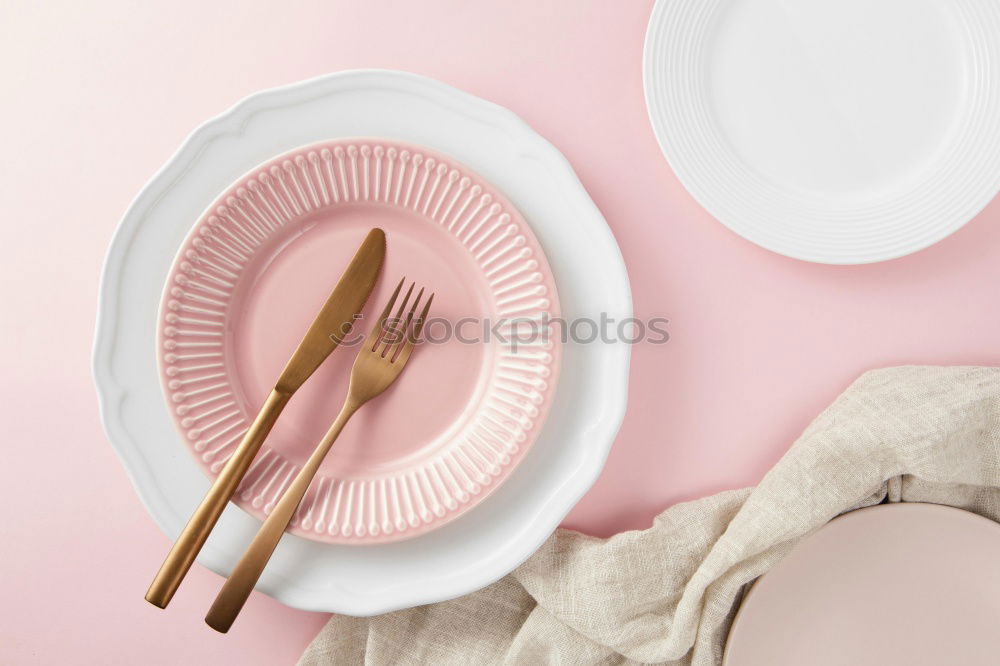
x,y
837,132
473,550
257,267
914,584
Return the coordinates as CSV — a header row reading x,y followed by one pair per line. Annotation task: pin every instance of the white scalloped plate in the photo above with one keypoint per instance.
x,y
837,132
588,405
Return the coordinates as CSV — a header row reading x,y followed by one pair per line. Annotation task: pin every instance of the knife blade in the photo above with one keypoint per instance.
x,y
331,325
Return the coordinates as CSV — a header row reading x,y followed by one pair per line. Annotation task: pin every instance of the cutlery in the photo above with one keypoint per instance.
x,y
379,362
327,330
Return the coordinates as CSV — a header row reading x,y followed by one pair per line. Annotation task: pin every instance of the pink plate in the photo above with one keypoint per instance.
x,y
257,267
914,584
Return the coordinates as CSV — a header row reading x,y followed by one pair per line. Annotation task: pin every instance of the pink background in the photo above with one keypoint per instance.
x,y
99,95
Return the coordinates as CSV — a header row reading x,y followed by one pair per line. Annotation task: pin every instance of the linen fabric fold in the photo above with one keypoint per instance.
x,y
667,594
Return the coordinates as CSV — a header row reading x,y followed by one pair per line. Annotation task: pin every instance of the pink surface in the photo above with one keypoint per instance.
x,y
100,95
258,265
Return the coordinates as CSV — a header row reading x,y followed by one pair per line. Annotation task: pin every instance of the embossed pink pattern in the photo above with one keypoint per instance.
x,y
256,268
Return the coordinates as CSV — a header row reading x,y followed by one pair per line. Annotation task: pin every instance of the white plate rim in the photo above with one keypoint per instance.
x,y
735,212
113,373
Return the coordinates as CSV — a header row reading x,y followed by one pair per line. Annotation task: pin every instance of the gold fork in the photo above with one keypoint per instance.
x,y
379,362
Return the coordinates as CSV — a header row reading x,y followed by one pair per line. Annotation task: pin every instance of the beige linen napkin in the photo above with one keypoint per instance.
x,y
667,594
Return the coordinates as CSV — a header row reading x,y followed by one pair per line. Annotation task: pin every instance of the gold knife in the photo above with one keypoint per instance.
x,y
330,326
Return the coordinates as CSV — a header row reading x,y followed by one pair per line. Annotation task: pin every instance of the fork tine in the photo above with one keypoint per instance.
x,y
405,333
419,328
407,347
391,325
376,332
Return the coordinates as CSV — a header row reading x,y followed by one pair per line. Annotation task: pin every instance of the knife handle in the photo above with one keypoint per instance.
x,y
241,581
196,532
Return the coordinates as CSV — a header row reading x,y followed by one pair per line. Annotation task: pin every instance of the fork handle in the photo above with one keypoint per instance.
x,y
241,581
190,541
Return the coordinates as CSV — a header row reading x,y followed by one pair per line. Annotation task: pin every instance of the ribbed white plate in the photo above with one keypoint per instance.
x,y
837,132
589,402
